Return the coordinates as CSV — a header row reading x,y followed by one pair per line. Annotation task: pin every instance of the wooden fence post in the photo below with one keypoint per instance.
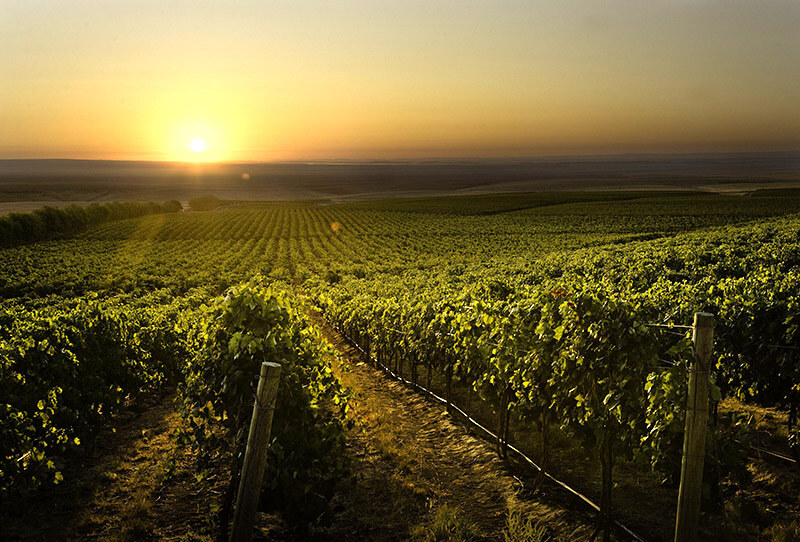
x,y
694,438
448,387
255,456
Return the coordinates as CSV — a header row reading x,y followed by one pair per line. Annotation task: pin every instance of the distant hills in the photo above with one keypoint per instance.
x,y
62,181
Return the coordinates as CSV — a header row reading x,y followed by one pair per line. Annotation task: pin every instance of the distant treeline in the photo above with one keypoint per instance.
x,y
50,221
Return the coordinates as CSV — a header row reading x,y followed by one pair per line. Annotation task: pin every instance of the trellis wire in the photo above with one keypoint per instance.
x,y
487,431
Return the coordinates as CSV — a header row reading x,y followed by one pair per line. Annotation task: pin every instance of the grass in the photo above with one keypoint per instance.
x,y
522,529
784,532
639,499
447,523
135,520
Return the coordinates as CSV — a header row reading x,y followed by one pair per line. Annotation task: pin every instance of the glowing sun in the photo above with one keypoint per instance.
x,y
197,145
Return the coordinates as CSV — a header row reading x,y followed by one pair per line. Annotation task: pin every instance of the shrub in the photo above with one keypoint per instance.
x,y
251,324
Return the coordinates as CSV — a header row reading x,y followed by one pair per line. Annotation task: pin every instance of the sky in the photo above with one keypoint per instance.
x,y
371,79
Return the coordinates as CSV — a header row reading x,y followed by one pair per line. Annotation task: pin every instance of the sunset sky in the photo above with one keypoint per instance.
x,y
284,80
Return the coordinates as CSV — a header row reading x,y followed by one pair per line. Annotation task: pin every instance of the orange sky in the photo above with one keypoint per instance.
x,y
266,80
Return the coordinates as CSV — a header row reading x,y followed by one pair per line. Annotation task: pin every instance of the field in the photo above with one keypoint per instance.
x,y
529,311
26,184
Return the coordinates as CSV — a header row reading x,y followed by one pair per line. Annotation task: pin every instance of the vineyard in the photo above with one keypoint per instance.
x,y
558,321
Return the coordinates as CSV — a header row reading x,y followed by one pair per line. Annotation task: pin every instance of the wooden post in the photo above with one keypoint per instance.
x,y
792,420
694,438
506,430
400,364
607,483
448,386
255,457
501,423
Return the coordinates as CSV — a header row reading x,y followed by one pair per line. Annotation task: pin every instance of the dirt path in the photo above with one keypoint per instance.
x,y
416,474
417,471
135,485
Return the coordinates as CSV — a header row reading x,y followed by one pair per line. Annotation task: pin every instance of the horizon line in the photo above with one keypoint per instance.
x,y
560,157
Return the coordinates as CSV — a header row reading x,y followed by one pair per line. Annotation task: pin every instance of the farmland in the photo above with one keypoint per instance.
x,y
528,310
26,184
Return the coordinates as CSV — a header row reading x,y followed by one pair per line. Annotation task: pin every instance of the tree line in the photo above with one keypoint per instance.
x,y
48,222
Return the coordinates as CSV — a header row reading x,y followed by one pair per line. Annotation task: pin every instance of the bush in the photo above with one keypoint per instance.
x,y
251,324
65,369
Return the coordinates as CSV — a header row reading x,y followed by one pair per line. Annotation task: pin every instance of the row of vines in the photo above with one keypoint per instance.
x,y
67,370
544,313
577,351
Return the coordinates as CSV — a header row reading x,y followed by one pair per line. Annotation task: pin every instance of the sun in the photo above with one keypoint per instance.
x,y
195,141
197,145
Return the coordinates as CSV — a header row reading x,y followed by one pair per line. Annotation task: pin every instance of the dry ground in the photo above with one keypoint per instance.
x,y
413,429
418,474
136,485
412,461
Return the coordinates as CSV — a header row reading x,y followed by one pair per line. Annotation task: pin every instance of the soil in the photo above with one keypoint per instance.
x,y
410,461
408,451
763,508
417,472
135,485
